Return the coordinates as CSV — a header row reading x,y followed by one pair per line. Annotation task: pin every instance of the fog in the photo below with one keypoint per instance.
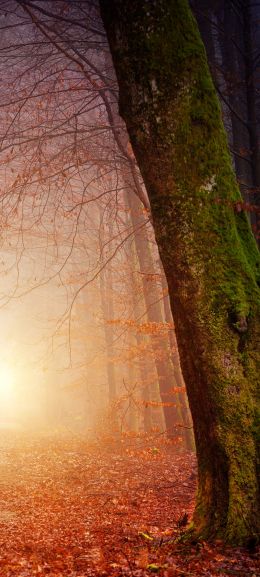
x,y
88,342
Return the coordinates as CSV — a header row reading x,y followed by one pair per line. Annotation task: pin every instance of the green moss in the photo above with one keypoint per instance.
x,y
227,283
207,248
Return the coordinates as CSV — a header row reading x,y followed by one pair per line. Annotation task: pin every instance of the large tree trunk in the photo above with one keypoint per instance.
x,y
207,248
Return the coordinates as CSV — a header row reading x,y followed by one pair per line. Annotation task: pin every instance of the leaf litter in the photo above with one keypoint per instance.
x,y
76,508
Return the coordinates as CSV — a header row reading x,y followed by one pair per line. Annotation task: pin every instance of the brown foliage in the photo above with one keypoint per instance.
x,y
72,508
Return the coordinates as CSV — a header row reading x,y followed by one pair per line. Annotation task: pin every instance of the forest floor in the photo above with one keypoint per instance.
x,y
72,508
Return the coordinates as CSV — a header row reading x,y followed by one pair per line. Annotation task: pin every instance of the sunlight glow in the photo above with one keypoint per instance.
x,y
7,381
22,394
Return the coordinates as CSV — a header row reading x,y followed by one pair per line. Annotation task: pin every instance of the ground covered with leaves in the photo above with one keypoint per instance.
x,y
76,508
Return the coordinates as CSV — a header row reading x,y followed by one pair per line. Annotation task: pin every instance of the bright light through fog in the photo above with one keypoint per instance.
x,y
7,390
18,396
7,381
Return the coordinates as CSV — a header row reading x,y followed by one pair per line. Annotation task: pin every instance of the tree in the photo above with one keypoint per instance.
x,y
163,362
230,33
211,262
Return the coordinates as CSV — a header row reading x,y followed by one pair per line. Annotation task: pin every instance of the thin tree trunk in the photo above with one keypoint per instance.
x,y
182,397
106,293
143,368
207,248
160,343
150,393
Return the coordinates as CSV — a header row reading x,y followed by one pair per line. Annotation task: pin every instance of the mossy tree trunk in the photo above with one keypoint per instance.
x,y
168,102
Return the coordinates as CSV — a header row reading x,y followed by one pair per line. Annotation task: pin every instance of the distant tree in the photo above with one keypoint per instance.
x,y
210,258
106,293
162,346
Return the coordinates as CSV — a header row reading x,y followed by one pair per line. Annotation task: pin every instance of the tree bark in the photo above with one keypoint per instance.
x,y
182,397
144,368
231,39
252,93
106,294
210,258
160,342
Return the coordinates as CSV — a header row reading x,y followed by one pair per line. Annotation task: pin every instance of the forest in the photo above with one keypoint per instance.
x,y
130,289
